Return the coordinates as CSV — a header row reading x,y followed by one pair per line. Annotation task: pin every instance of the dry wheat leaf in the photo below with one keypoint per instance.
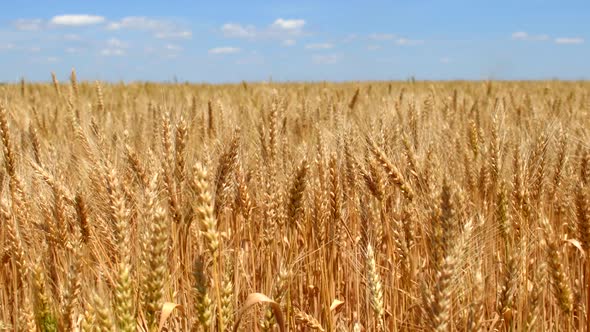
x,y
255,298
167,309
336,304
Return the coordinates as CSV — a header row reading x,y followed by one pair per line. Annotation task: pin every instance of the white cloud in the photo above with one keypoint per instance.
x,y
350,38
325,59
73,50
116,43
162,29
172,47
44,60
522,35
288,24
24,24
77,20
224,50
6,47
569,40
184,34
409,42
114,47
35,49
381,36
373,47
234,30
319,46
445,60
541,37
72,37
289,42
137,23
279,29
112,52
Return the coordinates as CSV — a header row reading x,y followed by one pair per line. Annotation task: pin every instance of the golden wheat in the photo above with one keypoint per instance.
x,y
310,206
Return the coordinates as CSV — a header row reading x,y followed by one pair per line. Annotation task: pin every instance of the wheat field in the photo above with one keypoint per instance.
x,y
375,206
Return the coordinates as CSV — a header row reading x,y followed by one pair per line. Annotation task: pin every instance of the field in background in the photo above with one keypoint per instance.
x,y
329,207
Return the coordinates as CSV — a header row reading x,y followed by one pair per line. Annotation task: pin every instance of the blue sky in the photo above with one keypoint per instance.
x,y
230,41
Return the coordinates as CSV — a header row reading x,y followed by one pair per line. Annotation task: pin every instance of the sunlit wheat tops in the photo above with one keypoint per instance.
x,y
361,206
